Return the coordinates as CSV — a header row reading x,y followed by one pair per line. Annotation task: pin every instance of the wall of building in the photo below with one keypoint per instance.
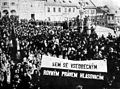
x,y
90,11
38,9
111,19
53,13
30,8
117,20
91,14
63,11
9,5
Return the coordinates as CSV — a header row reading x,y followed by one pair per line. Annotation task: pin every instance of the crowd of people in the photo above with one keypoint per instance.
x,y
22,45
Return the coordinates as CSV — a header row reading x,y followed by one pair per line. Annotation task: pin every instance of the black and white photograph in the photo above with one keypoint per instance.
x,y
59,44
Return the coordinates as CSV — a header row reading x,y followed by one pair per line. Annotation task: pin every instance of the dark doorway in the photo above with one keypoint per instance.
x,y
32,16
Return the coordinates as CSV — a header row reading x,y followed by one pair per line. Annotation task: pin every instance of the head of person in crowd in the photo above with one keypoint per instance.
x,y
79,87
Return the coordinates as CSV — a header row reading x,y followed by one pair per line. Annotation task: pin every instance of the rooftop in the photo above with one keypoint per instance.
x,y
62,3
89,4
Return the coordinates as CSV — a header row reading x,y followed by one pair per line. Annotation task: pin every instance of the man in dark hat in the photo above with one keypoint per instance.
x,y
79,87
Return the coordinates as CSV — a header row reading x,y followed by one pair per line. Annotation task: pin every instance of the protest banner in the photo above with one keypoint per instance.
x,y
89,69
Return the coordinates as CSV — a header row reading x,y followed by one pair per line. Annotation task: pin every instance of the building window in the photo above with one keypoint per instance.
x,y
54,9
112,18
49,19
65,9
87,12
5,12
13,3
5,3
70,2
80,3
63,1
69,9
92,11
73,9
59,9
108,18
87,3
13,11
48,9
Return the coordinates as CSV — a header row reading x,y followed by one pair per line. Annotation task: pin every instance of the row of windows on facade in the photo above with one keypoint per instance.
x,y
59,9
6,3
90,12
6,11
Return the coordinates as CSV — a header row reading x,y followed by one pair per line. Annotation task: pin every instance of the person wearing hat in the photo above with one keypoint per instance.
x,y
79,87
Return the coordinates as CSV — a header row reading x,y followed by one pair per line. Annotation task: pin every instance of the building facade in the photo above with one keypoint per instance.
x,y
48,10
9,6
117,17
90,11
28,9
101,17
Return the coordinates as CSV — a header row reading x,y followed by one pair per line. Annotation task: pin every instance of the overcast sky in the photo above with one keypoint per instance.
x,y
107,2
